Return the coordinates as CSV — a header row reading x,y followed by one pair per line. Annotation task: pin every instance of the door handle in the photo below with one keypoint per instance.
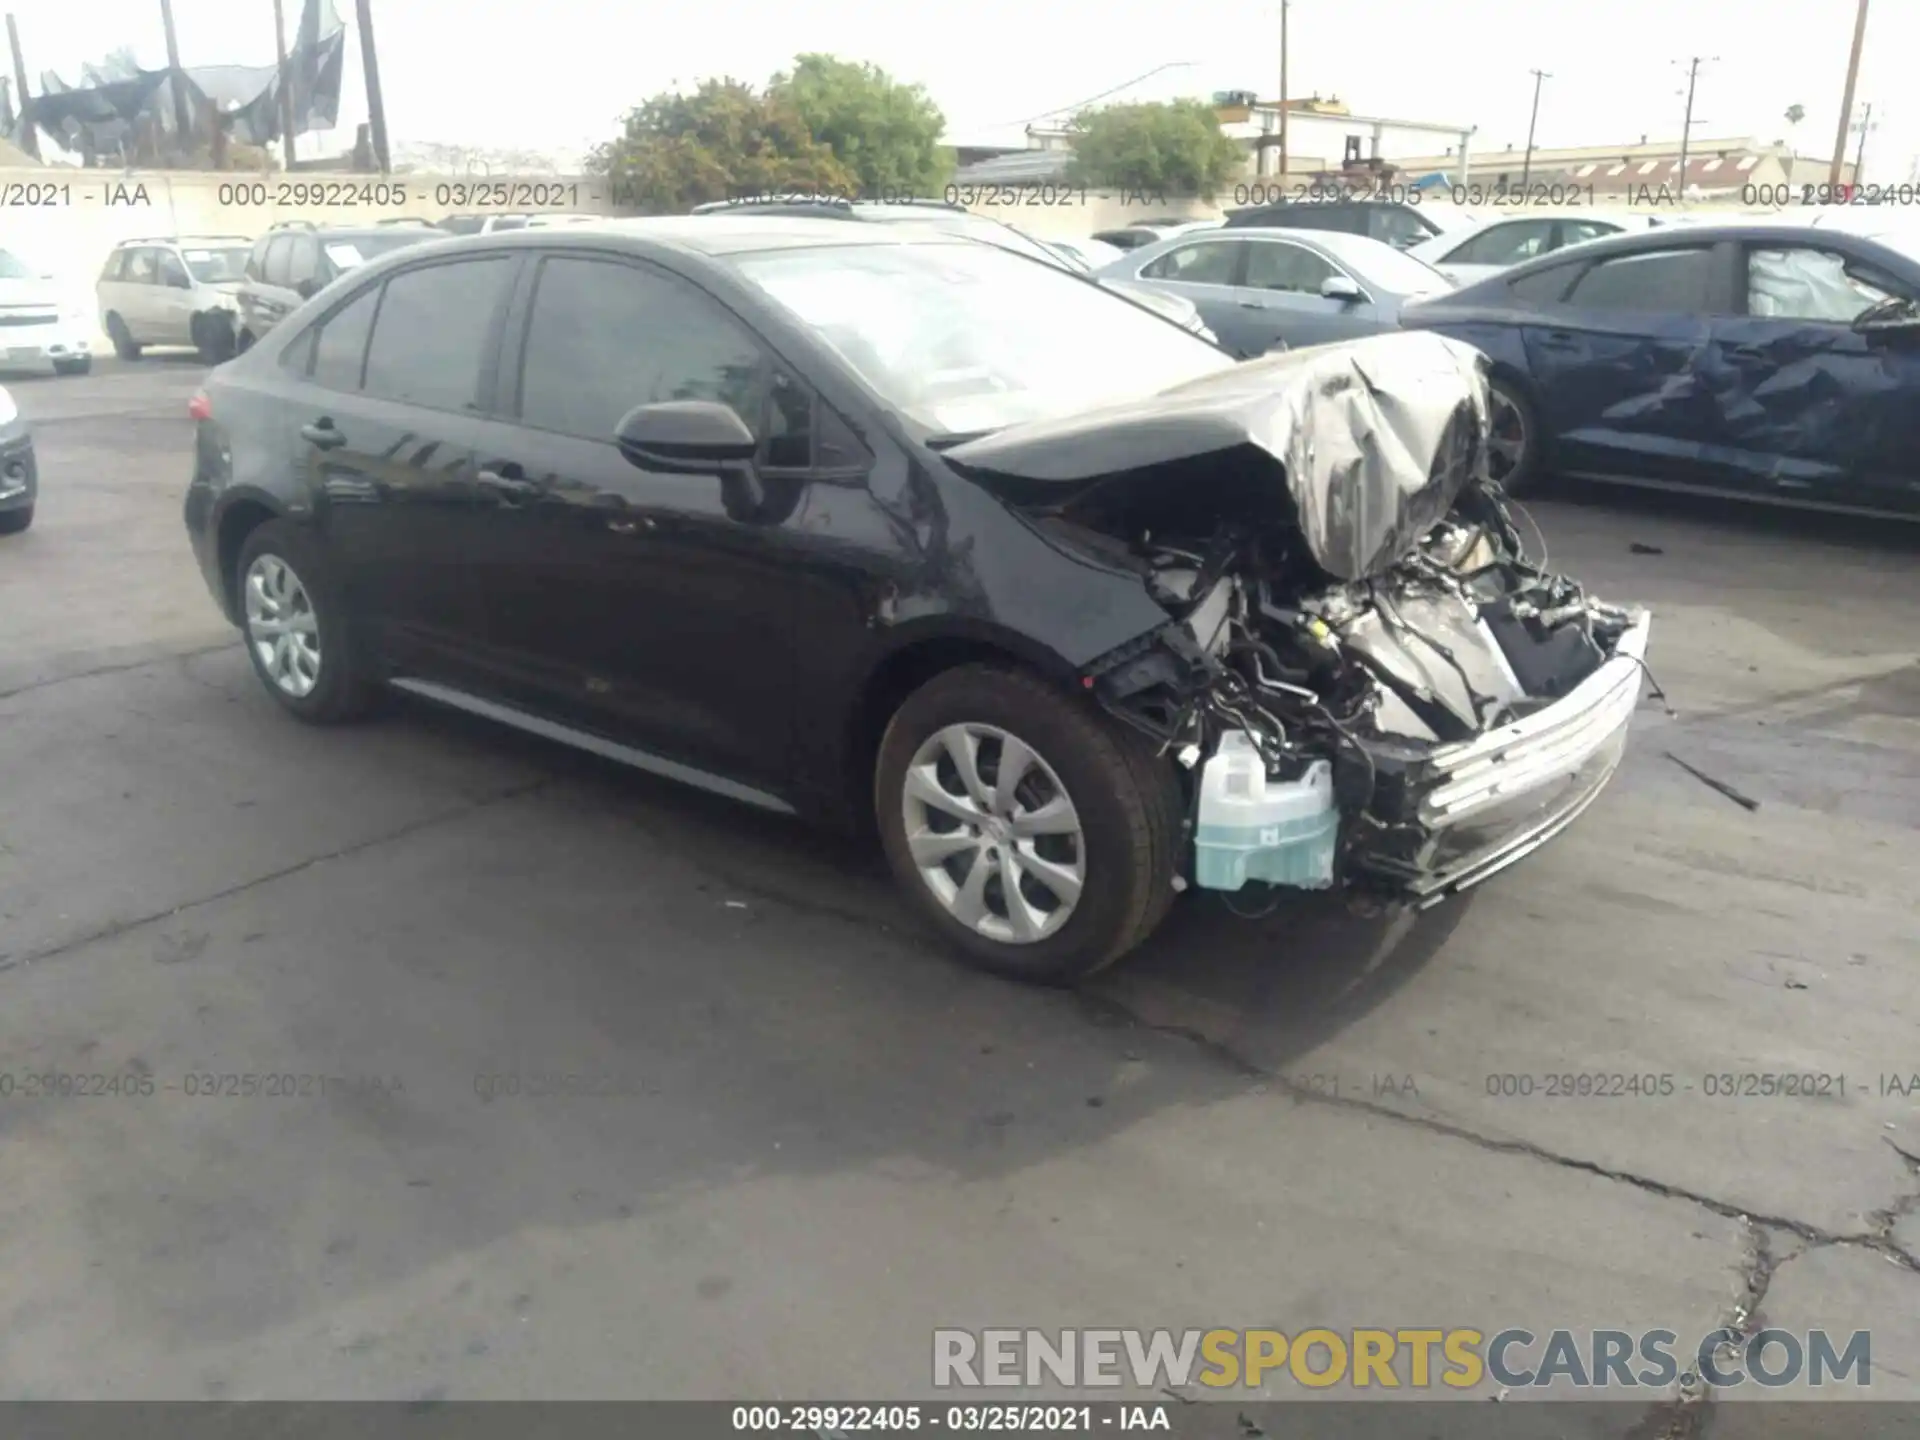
x,y
321,435
1558,340
508,483
1744,352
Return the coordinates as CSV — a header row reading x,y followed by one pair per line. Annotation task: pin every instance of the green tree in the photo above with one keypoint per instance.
x,y
885,132
1171,149
724,141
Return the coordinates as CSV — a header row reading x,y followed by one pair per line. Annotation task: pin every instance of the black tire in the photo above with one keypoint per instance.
x,y
244,343
123,342
344,686
12,522
1512,408
78,366
1126,797
213,339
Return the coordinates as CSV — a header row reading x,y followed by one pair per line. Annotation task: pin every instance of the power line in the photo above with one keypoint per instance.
x,y
1091,99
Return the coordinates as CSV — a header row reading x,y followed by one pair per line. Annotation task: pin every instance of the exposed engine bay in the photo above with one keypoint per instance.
x,y
1363,670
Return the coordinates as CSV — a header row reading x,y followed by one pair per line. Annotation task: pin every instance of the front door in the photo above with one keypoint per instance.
x,y
639,602
387,432
1281,297
1619,364
173,300
1811,408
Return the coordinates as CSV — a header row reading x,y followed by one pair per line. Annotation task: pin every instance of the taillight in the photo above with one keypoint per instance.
x,y
200,407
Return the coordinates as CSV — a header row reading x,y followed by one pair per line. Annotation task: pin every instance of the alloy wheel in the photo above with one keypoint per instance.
x,y
1507,437
282,626
993,833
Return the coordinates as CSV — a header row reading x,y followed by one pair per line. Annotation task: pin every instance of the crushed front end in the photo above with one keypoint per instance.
x,y
1366,678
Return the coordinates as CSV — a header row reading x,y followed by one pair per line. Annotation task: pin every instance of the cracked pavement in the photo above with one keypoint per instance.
x,y
809,1138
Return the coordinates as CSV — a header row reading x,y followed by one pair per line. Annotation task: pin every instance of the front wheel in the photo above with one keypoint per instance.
x,y
79,365
1035,834
12,522
124,345
303,644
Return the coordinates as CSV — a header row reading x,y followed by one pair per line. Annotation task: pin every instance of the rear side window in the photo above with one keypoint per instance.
x,y
604,337
257,259
303,260
431,339
1544,287
511,222
1509,244
116,266
1652,280
1209,262
463,224
1395,225
143,266
340,347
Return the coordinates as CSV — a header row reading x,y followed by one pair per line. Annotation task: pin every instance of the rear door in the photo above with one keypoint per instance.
x,y
634,601
1281,297
172,298
137,295
1208,270
387,431
1811,408
1619,362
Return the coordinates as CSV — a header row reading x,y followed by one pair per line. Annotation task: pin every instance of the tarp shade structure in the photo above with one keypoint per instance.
x,y
118,98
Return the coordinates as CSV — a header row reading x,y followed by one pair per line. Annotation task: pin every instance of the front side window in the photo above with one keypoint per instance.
x,y
1210,262
964,338
144,267
173,270
1801,283
430,339
303,262
604,337
1505,244
1654,280
1578,232
1276,265
340,347
1395,226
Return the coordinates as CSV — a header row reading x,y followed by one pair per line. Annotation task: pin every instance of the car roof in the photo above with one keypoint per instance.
x,y
1341,244
200,240
699,235
827,207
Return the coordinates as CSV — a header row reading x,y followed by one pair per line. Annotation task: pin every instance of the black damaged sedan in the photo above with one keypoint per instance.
x,y
894,529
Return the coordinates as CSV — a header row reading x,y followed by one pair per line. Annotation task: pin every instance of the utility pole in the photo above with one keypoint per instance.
x,y
1846,99
1686,126
176,78
1526,166
376,108
1281,174
286,83
29,132
1860,155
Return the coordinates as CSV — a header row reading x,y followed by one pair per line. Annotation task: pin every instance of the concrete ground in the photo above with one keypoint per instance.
x,y
803,1138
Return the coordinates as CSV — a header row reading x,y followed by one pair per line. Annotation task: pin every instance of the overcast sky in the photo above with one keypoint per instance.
x,y
556,74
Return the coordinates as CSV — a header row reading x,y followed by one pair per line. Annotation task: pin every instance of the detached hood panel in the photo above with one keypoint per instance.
x,y
1371,440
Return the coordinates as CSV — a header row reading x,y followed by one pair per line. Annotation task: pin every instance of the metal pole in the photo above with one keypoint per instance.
x,y
376,109
1526,166
176,78
286,83
29,132
1860,155
1846,97
1686,127
1281,175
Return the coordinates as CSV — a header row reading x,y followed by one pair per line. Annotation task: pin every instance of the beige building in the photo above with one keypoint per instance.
x,y
1744,171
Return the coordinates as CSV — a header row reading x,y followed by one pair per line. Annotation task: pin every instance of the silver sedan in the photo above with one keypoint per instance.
x,y
1257,288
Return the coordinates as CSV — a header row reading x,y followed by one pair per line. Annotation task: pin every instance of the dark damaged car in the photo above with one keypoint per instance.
x,y
895,530
1765,361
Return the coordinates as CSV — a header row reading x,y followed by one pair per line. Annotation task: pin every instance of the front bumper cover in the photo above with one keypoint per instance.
x,y
1457,815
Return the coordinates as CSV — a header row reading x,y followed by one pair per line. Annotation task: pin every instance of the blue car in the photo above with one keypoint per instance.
x,y
1761,361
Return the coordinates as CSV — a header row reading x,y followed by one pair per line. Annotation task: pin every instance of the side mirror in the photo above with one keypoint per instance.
x,y
1339,287
696,437
1891,323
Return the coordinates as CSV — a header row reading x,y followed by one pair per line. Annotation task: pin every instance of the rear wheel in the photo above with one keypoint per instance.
x,y
124,344
78,365
12,522
300,638
1513,438
213,338
1035,834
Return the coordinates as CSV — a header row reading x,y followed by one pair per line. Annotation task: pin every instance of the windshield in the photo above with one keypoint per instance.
x,y
212,266
966,338
13,268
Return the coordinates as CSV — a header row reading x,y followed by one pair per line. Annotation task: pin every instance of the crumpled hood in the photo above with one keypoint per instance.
x,y
1372,440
